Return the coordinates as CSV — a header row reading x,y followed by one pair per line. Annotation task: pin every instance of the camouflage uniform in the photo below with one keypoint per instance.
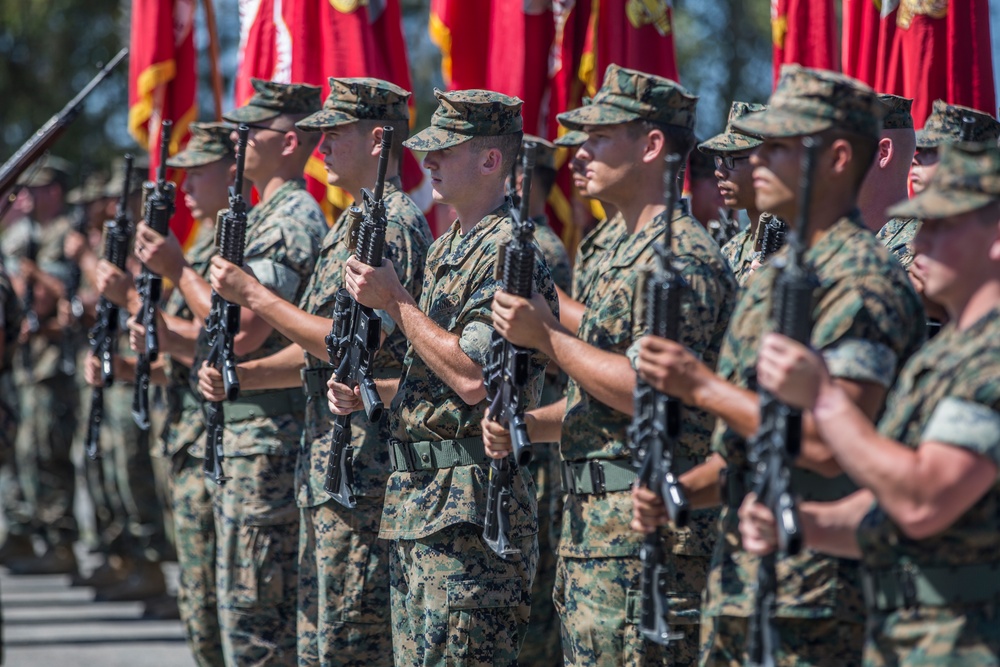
x,y
866,324
944,126
17,518
897,235
596,249
49,399
256,517
454,601
598,579
933,602
744,247
343,597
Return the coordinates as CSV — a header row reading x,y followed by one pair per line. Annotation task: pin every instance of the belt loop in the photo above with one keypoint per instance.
x,y
568,481
597,477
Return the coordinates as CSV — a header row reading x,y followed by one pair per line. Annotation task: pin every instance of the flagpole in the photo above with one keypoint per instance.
x,y
213,55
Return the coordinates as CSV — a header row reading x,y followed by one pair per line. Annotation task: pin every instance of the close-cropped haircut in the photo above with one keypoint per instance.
x,y
862,146
400,133
679,140
508,144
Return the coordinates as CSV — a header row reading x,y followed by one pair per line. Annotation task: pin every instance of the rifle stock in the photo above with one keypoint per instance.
x,y
356,334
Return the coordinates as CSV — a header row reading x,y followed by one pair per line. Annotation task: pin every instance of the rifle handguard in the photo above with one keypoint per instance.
x,y
374,408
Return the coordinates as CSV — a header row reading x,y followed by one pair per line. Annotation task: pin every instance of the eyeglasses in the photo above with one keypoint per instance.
x,y
729,161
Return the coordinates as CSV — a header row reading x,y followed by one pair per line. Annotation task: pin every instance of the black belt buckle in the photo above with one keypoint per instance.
x,y
597,477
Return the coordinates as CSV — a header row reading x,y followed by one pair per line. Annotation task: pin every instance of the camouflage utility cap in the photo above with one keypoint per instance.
x,y
274,99
45,171
732,140
354,99
464,114
91,190
944,126
139,175
545,152
897,112
571,139
808,101
628,95
209,142
968,178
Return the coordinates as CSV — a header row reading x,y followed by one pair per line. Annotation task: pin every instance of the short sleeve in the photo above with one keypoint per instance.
x,y
966,424
282,280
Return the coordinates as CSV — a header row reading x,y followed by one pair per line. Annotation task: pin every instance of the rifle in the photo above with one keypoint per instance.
x,y
41,140
965,133
67,351
223,321
104,334
356,334
28,304
159,207
772,235
776,445
506,371
656,427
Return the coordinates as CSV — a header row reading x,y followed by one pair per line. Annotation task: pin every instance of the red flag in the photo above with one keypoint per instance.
x,y
941,50
307,42
862,23
162,86
803,32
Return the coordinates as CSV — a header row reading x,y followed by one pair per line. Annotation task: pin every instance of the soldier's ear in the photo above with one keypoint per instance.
x,y
654,146
840,155
491,161
886,150
376,140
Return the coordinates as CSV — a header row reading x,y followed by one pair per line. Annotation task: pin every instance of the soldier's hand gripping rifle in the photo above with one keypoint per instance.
x,y
159,208
68,343
778,441
223,321
656,427
104,334
356,334
506,371
28,304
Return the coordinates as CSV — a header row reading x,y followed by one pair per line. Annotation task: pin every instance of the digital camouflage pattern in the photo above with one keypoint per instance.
x,y
807,101
194,539
867,322
740,252
354,99
628,95
450,592
944,126
599,555
571,139
343,593
898,235
732,140
284,234
464,114
463,604
967,178
459,283
343,611
209,142
897,112
595,250
811,642
598,600
272,99
257,528
554,253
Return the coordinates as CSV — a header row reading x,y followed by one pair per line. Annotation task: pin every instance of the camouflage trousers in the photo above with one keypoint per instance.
x,y
123,486
801,642
598,600
194,528
455,602
343,611
257,522
935,637
541,640
46,472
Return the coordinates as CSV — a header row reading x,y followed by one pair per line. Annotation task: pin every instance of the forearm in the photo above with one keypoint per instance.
x,y
280,370
606,376
306,330
124,368
387,388
701,483
545,422
197,292
178,338
831,528
439,349
570,311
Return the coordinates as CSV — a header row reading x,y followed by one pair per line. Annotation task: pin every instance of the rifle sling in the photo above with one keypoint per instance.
x,y
910,585
412,456
599,476
314,379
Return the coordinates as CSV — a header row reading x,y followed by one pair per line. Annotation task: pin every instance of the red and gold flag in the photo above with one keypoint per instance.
x,y
803,32
861,28
163,83
941,50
